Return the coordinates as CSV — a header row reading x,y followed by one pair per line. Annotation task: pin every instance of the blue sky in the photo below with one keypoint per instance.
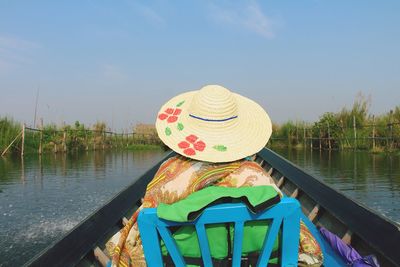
x,y
119,61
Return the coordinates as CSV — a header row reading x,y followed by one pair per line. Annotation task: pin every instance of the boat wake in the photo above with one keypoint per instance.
x,y
46,229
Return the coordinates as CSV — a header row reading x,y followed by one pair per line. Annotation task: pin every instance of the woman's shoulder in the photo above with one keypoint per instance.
x,y
174,162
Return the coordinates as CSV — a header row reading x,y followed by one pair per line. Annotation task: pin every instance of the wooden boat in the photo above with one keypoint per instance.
x,y
367,231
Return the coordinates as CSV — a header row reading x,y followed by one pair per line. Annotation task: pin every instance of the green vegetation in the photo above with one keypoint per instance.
x,y
77,137
144,147
9,129
351,128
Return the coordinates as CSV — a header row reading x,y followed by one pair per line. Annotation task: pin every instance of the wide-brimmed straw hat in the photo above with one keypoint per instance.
x,y
213,124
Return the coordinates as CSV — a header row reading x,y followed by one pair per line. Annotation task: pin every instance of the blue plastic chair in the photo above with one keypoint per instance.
x,y
286,213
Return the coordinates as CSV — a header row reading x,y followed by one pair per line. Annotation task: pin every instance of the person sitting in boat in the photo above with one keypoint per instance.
x,y
215,132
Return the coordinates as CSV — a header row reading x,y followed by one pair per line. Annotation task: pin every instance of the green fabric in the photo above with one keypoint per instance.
x,y
186,237
188,244
180,211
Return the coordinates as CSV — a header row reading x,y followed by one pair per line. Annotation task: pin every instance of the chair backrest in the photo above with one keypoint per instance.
x,y
286,214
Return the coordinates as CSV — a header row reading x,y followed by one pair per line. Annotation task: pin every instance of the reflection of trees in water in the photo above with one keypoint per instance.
x,y
34,167
99,160
8,165
372,179
356,169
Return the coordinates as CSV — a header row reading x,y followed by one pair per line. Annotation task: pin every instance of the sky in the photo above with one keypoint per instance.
x,y
119,61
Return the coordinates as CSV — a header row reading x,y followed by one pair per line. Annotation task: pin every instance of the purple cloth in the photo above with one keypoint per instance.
x,y
347,252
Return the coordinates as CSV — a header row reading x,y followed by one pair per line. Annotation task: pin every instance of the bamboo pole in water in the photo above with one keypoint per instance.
x,y
64,141
391,129
329,137
41,137
320,133
12,142
103,138
55,143
373,132
122,139
86,141
23,140
355,132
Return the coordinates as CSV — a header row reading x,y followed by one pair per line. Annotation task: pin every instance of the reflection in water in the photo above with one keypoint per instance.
x,y
371,179
43,197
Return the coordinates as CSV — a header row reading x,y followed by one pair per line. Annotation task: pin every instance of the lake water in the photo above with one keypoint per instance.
x,y
42,198
371,179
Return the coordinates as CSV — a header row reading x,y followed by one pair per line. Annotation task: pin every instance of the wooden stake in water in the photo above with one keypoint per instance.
x,y
41,136
355,132
373,132
311,140
64,141
23,140
320,134
86,140
55,142
329,136
104,137
391,129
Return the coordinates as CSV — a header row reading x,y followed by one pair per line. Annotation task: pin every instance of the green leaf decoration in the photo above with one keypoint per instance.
x,y
180,126
180,103
168,131
220,148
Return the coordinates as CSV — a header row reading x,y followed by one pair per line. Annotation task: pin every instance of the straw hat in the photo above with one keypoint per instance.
x,y
213,124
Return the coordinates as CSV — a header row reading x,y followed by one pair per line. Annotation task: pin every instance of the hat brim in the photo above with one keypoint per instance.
x,y
247,136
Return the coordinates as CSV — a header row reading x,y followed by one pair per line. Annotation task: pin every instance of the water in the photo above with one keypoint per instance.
x,y
371,179
42,198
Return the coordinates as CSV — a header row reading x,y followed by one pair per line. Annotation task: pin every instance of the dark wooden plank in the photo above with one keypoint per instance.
x,y
377,231
71,248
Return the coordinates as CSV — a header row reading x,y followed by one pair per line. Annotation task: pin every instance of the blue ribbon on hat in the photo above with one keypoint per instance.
x,y
213,120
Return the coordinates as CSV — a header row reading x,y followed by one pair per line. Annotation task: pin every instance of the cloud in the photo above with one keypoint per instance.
x,y
15,52
249,17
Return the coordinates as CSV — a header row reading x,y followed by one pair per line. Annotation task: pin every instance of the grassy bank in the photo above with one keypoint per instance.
x,y
72,138
145,147
350,128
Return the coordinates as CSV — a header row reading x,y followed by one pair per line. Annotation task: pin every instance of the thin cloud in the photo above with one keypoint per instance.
x,y
249,17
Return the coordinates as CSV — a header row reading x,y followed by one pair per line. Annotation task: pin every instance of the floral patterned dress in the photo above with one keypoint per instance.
x,y
178,177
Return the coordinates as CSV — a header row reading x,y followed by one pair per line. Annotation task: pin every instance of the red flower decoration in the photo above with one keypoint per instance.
x,y
170,114
191,141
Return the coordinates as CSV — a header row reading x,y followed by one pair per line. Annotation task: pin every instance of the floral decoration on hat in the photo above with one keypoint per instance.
x,y
191,140
170,114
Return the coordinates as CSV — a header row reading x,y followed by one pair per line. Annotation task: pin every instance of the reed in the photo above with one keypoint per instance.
x,y
9,129
76,137
350,128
